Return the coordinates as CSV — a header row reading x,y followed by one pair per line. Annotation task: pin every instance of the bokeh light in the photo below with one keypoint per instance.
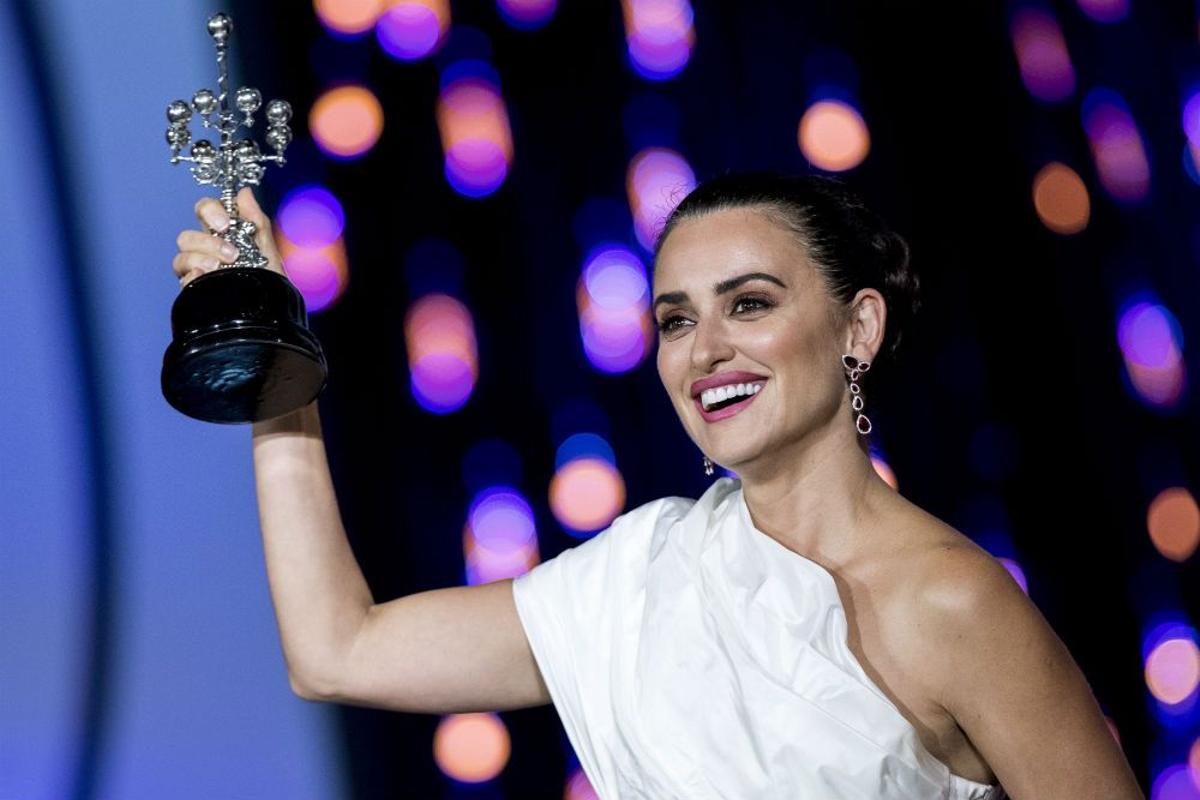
x,y
473,123
579,787
310,216
346,121
587,494
1173,521
442,355
471,748
658,178
584,445
413,29
526,14
1017,573
1061,199
587,491
308,232
500,536
1105,10
1191,161
613,298
1174,783
884,469
1191,116
833,136
1172,664
1151,343
348,18
1116,146
1042,55
659,35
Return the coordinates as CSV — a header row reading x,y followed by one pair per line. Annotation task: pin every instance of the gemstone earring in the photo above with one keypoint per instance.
x,y
855,368
708,466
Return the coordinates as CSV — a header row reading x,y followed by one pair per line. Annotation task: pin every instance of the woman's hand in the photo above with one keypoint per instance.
x,y
203,251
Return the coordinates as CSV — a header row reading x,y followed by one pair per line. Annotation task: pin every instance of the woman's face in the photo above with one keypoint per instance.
x,y
778,330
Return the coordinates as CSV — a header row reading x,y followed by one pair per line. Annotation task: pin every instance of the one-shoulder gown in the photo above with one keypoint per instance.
x,y
690,655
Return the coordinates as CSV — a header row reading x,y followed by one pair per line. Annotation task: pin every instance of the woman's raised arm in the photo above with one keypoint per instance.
x,y
455,649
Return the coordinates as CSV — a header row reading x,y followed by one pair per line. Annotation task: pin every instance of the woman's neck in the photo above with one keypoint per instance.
x,y
820,497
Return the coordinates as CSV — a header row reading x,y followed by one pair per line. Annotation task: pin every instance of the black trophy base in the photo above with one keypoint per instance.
x,y
241,349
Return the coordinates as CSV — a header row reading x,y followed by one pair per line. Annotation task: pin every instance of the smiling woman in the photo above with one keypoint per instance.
x,y
845,642
839,641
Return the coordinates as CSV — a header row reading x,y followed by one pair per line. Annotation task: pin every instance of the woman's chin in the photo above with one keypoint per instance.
x,y
736,461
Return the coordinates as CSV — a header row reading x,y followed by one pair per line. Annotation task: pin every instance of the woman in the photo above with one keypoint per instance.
x,y
802,631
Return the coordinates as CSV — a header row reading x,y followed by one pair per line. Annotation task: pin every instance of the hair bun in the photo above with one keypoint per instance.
x,y
901,282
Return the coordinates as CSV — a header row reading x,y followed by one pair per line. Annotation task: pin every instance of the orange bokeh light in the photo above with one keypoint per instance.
x,y
439,324
884,470
350,17
586,494
1173,521
834,136
1061,199
472,110
471,747
346,121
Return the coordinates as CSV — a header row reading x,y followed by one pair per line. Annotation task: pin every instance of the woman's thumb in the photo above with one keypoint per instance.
x,y
248,208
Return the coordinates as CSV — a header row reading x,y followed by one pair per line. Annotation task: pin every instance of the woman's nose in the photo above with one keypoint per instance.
x,y
710,346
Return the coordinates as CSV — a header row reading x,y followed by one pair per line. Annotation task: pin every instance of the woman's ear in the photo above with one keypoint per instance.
x,y
867,322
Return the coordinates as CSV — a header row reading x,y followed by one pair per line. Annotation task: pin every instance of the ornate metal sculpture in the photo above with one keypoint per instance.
x,y
242,350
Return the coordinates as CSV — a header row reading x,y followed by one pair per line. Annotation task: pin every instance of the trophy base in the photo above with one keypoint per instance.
x,y
241,349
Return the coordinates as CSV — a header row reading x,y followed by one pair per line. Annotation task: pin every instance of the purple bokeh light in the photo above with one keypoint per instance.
x,y
310,216
442,382
409,31
526,14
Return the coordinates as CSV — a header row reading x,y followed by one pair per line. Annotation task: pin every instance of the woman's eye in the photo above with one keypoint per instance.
x,y
755,303
666,326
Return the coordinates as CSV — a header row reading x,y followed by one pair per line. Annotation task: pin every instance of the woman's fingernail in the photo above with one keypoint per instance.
x,y
228,250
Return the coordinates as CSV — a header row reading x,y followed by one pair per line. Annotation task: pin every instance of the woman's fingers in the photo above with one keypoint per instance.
x,y
201,252
211,214
206,243
191,264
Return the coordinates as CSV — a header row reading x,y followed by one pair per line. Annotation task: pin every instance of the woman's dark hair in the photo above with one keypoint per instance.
x,y
850,245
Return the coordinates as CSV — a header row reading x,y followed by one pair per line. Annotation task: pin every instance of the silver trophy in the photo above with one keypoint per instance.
x,y
241,349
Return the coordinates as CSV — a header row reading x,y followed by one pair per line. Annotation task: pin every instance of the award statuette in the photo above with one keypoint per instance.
x,y
241,350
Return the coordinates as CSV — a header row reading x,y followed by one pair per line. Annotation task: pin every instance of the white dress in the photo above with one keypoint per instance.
x,y
692,656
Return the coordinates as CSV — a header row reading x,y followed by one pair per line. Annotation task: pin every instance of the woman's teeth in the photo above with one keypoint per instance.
x,y
710,397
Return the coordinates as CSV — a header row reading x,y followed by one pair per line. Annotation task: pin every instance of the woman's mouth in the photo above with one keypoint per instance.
x,y
725,401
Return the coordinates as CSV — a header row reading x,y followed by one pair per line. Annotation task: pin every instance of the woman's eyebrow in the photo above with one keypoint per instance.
x,y
721,287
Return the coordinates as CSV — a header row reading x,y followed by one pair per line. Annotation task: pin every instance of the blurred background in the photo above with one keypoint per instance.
x,y
467,206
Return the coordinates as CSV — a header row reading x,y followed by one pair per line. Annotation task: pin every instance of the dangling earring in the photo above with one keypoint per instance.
x,y
708,466
855,368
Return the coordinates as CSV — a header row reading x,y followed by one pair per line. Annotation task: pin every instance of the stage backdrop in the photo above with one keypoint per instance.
x,y
140,656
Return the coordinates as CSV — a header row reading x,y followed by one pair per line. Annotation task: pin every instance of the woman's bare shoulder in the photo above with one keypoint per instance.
x,y
941,566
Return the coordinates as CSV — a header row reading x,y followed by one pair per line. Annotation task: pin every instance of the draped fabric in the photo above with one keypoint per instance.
x,y
690,655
